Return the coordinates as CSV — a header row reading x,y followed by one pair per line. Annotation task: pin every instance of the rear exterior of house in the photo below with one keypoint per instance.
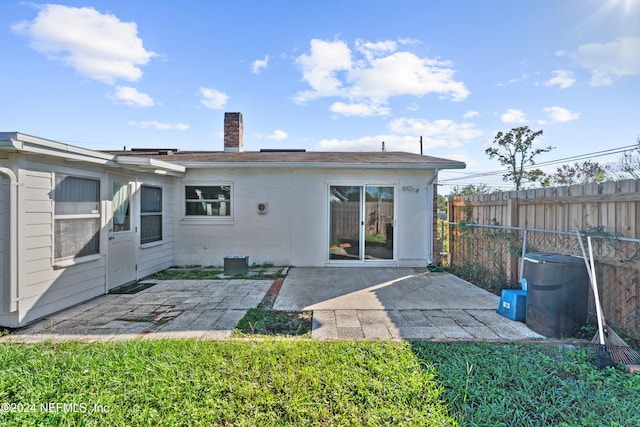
x,y
75,223
305,216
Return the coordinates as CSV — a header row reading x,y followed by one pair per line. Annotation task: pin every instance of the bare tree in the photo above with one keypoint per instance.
x,y
580,173
515,150
629,164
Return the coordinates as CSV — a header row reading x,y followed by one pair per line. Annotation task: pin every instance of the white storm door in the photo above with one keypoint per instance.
x,y
122,234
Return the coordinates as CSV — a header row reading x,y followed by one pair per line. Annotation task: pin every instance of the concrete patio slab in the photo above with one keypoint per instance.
x,y
397,303
347,303
368,288
203,309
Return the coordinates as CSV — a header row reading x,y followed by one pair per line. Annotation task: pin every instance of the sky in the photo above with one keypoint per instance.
x,y
328,75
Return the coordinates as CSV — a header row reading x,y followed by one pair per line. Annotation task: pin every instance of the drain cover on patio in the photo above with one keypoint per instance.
x,y
132,288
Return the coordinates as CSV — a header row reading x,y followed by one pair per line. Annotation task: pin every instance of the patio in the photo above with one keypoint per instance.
x,y
347,303
396,303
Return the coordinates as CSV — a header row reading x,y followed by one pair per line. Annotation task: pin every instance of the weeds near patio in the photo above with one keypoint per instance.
x,y
198,272
188,273
265,321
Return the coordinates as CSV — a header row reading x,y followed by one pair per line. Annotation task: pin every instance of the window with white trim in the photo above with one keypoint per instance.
x,y
76,217
150,214
208,200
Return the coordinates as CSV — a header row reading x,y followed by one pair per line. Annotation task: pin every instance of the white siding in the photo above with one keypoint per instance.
x,y
157,256
43,289
4,243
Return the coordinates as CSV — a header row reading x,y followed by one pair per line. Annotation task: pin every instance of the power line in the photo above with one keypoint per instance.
x,y
601,153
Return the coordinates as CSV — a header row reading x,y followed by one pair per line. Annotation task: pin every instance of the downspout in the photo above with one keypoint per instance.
x,y
430,216
13,239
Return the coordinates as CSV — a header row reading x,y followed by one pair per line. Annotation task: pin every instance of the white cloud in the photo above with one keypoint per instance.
x,y
562,78
213,98
514,80
130,96
359,109
514,116
277,135
259,64
561,115
447,131
610,61
96,45
319,69
159,125
405,136
374,49
471,114
369,79
403,73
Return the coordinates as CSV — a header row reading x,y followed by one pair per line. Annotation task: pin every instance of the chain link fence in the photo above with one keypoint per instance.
x,y
491,257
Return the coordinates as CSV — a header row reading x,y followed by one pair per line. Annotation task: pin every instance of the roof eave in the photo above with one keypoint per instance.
x,y
322,165
19,142
147,164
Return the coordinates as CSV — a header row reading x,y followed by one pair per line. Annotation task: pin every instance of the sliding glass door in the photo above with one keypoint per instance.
x,y
378,222
361,222
345,222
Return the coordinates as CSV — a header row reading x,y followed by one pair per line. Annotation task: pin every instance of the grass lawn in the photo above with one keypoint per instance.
x,y
283,382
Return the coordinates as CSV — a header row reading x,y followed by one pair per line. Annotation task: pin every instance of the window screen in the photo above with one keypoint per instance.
x,y
77,217
150,214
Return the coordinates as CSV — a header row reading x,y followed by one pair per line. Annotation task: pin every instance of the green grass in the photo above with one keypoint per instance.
x,y
197,272
188,273
531,385
245,383
302,382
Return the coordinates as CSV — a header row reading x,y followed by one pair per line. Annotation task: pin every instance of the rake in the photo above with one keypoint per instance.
x,y
609,346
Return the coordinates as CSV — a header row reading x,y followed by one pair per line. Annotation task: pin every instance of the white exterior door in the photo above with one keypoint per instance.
x,y
122,233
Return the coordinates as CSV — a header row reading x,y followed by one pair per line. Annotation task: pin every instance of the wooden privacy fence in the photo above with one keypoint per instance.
x,y
608,211
345,218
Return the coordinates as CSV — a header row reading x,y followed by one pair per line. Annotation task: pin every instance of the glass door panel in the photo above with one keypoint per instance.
x,y
378,222
345,223
121,207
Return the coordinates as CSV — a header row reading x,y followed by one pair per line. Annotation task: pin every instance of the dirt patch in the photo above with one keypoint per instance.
x,y
264,320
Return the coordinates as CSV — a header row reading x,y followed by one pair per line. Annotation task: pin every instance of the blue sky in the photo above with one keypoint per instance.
x,y
325,75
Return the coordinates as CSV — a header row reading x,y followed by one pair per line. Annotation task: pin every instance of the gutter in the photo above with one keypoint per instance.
x,y
150,164
20,142
320,165
13,239
431,182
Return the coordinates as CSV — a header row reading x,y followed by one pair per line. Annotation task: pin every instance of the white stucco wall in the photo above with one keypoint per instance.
x,y
294,231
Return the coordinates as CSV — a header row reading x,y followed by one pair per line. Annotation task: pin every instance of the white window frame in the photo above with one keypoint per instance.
x,y
161,213
74,259
216,219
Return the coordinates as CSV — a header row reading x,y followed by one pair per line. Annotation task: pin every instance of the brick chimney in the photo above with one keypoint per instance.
x,y
233,132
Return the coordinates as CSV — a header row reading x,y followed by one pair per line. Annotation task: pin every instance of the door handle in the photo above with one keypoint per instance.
x,y
111,237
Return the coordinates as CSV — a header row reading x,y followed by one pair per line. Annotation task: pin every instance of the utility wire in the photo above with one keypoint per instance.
x,y
602,153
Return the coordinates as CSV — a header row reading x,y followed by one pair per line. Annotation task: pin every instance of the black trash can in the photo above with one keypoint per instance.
x,y
557,293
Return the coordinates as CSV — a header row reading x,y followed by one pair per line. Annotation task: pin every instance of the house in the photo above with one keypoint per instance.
x,y
75,223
